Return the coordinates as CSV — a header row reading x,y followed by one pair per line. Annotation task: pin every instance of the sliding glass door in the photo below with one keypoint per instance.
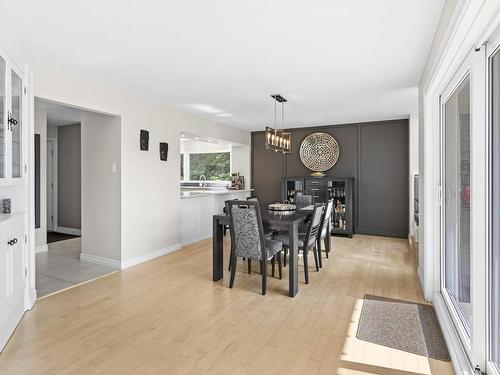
x,y
456,255
494,258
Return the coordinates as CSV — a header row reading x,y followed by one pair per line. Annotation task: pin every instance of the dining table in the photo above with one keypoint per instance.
x,y
276,220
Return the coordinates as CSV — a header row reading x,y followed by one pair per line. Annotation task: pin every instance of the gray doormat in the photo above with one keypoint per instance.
x,y
408,326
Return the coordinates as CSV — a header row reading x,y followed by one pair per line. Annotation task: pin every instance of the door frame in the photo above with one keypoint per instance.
x,y
54,205
492,47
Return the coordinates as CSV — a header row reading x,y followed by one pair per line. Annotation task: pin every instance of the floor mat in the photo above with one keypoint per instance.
x,y
55,237
408,326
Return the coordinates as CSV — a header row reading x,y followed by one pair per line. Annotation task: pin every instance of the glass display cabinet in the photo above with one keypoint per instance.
x,y
322,189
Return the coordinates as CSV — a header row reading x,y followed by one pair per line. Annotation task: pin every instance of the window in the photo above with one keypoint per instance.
x,y
457,226
215,166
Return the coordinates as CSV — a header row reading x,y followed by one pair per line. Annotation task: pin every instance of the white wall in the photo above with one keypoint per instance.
x,y
41,128
240,162
191,146
441,36
150,203
101,190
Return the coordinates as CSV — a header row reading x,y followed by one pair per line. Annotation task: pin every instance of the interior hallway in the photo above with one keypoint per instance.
x,y
166,316
60,267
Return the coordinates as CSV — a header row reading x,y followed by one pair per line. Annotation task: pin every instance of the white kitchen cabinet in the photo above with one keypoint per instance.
x,y
12,110
12,283
197,212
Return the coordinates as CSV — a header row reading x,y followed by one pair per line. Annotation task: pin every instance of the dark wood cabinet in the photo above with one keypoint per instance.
x,y
323,189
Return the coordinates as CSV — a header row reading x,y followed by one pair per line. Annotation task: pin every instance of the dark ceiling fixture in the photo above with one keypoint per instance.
x,y
277,139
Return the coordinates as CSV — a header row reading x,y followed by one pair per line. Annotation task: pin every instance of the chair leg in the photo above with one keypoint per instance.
x,y
249,266
306,267
284,258
264,277
280,271
230,257
328,244
318,251
233,270
316,262
273,262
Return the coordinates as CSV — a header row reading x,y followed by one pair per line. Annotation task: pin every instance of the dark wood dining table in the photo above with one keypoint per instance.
x,y
288,220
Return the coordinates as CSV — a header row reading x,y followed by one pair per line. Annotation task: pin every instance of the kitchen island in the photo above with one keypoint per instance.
x,y
198,207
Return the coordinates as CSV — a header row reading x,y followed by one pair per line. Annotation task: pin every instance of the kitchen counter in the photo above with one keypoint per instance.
x,y
201,192
198,211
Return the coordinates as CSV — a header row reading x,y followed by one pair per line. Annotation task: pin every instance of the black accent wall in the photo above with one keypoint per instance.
x,y
374,153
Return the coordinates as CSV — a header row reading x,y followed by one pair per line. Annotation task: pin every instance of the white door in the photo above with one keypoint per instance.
x,y
50,185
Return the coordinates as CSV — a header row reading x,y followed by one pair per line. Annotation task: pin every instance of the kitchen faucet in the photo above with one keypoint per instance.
x,y
204,183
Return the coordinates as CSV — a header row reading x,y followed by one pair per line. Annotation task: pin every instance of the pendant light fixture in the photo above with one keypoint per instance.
x,y
277,139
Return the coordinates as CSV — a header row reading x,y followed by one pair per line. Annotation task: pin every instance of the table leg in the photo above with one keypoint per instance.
x,y
218,250
293,274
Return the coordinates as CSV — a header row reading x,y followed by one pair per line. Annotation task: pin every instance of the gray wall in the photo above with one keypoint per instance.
x,y
69,201
101,188
375,154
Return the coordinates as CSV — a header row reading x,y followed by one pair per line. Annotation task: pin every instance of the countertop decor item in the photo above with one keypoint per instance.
x,y
6,206
237,182
319,152
277,139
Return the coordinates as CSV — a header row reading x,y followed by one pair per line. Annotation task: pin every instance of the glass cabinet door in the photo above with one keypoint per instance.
x,y
3,127
16,124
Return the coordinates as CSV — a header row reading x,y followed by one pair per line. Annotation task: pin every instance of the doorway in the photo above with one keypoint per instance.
x,y
62,259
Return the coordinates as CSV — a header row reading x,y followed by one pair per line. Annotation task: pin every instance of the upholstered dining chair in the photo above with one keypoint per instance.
x,y
248,239
268,233
303,198
307,240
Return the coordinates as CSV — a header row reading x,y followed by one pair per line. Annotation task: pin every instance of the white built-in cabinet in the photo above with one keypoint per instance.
x,y
11,123
14,260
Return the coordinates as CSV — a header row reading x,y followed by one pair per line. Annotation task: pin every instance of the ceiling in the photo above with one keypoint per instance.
x,y
336,61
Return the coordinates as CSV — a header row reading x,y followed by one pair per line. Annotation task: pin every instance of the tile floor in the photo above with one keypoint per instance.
x,y
60,267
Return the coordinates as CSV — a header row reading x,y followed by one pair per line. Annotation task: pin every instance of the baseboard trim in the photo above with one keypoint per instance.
x,y
100,260
197,237
459,357
42,248
66,230
150,255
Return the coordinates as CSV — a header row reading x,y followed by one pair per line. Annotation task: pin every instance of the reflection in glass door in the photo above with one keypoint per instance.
x,y
457,202
495,201
3,128
16,89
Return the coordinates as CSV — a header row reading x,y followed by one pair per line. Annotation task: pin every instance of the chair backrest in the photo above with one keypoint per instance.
x,y
253,199
304,198
247,233
314,225
327,214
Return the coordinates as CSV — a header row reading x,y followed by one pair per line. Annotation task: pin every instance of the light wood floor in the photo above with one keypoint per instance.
x,y
167,317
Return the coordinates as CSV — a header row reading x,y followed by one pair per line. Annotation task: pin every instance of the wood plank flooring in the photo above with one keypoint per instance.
x,y
167,317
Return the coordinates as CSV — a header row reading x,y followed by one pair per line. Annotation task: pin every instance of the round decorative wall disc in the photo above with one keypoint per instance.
x,y
319,151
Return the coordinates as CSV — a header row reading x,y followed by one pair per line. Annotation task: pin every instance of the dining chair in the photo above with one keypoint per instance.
x,y
268,233
308,240
303,197
324,235
248,240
